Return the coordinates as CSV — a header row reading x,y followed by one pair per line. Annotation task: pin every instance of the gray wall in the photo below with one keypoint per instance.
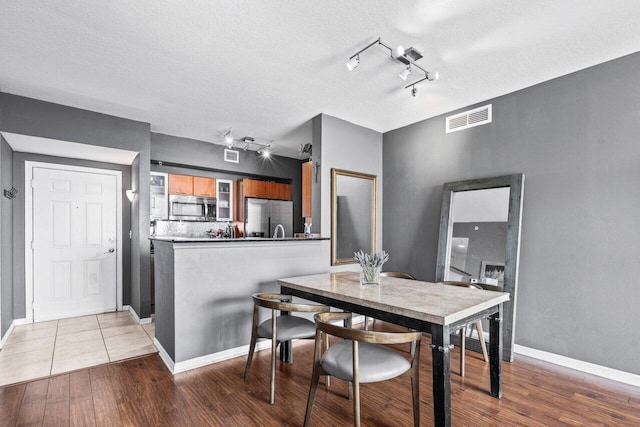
x,y
344,145
47,120
576,140
6,238
206,159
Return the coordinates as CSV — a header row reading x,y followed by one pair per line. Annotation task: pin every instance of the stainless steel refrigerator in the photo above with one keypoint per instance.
x,y
262,216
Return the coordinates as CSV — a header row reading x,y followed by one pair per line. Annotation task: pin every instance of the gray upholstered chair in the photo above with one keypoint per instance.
x,y
360,358
279,328
396,274
463,330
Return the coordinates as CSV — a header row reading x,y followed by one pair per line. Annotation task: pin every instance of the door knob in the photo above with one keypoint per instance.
x,y
110,251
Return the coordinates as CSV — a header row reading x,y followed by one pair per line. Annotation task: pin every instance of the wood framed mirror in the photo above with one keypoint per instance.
x,y
353,214
479,241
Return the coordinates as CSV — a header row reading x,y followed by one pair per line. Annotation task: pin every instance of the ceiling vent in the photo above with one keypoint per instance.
x,y
468,119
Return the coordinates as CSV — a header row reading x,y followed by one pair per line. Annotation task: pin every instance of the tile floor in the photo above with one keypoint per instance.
x,y
48,348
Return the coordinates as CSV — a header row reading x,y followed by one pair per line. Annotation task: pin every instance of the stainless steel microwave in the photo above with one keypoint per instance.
x,y
192,208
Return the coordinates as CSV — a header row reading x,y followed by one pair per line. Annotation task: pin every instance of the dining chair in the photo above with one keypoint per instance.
x,y
463,330
396,274
279,328
361,358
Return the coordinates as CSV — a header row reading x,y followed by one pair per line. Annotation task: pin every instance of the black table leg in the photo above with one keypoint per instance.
x,y
495,353
441,358
286,349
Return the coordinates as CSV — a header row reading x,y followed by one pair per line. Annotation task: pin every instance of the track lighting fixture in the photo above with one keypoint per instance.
x,y
406,56
405,73
353,62
228,139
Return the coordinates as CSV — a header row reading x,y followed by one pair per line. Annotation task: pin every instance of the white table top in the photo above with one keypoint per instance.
x,y
432,302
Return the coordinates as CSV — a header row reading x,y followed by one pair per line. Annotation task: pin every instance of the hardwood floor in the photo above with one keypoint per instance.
x,y
142,392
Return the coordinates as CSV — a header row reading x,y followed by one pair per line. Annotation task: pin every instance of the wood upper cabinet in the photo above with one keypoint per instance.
x,y
181,184
192,185
307,171
266,189
255,188
279,191
205,187
259,189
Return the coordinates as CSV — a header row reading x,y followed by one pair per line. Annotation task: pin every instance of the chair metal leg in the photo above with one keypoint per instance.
x,y
483,344
252,347
415,395
326,347
252,344
356,387
463,347
274,344
315,378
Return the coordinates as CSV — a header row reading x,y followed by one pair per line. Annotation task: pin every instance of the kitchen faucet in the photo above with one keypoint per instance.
x,y
275,233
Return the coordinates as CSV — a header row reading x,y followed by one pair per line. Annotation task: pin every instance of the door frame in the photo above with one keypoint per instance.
x,y
29,166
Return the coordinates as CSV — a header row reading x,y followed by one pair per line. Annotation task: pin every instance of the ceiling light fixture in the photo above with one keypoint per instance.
x,y
400,54
405,73
260,147
228,139
353,62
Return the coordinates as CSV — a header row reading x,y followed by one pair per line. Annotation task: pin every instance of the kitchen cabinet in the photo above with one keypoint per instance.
x,y
188,185
181,184
224,206
279,191
205,187
261,190
307,171
255,188
158,206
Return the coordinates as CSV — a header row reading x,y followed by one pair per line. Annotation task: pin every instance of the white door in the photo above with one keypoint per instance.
x,y
74,243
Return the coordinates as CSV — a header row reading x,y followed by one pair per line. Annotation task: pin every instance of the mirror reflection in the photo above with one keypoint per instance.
x,y
353,215
479,242
479,235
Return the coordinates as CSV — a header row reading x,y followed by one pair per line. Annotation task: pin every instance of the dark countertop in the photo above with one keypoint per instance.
x,y
242,239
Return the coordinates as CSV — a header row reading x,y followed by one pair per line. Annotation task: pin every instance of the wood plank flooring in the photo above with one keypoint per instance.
x,y
142,392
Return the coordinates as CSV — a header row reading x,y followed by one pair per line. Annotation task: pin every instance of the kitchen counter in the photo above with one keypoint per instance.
x,y
177,239
203,288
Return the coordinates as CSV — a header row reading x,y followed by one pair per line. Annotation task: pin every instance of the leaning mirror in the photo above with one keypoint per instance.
x,y
353,215
479,241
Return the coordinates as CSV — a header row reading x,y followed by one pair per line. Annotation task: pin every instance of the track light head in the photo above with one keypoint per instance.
x,y
353,62
405,73
228,138
433,76
414,92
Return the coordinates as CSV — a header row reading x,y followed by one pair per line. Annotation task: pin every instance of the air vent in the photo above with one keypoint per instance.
x,y
232,156
468,119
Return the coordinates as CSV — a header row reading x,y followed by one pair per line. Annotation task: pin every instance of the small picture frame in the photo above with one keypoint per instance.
x,y
492,273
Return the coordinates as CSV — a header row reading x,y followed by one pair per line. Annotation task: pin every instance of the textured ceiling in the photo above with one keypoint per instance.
x,y
263,68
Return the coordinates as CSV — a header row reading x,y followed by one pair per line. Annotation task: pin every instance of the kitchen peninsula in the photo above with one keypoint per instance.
x,y
203,291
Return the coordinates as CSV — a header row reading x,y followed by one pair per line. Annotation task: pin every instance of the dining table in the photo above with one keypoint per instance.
x,y
433,308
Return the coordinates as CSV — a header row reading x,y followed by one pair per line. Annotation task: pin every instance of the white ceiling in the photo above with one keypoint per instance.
x,y
262,68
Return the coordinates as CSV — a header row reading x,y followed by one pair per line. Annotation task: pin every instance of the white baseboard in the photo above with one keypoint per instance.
x,y
164,355
140,321
579,365
198,362
16,322
208,359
